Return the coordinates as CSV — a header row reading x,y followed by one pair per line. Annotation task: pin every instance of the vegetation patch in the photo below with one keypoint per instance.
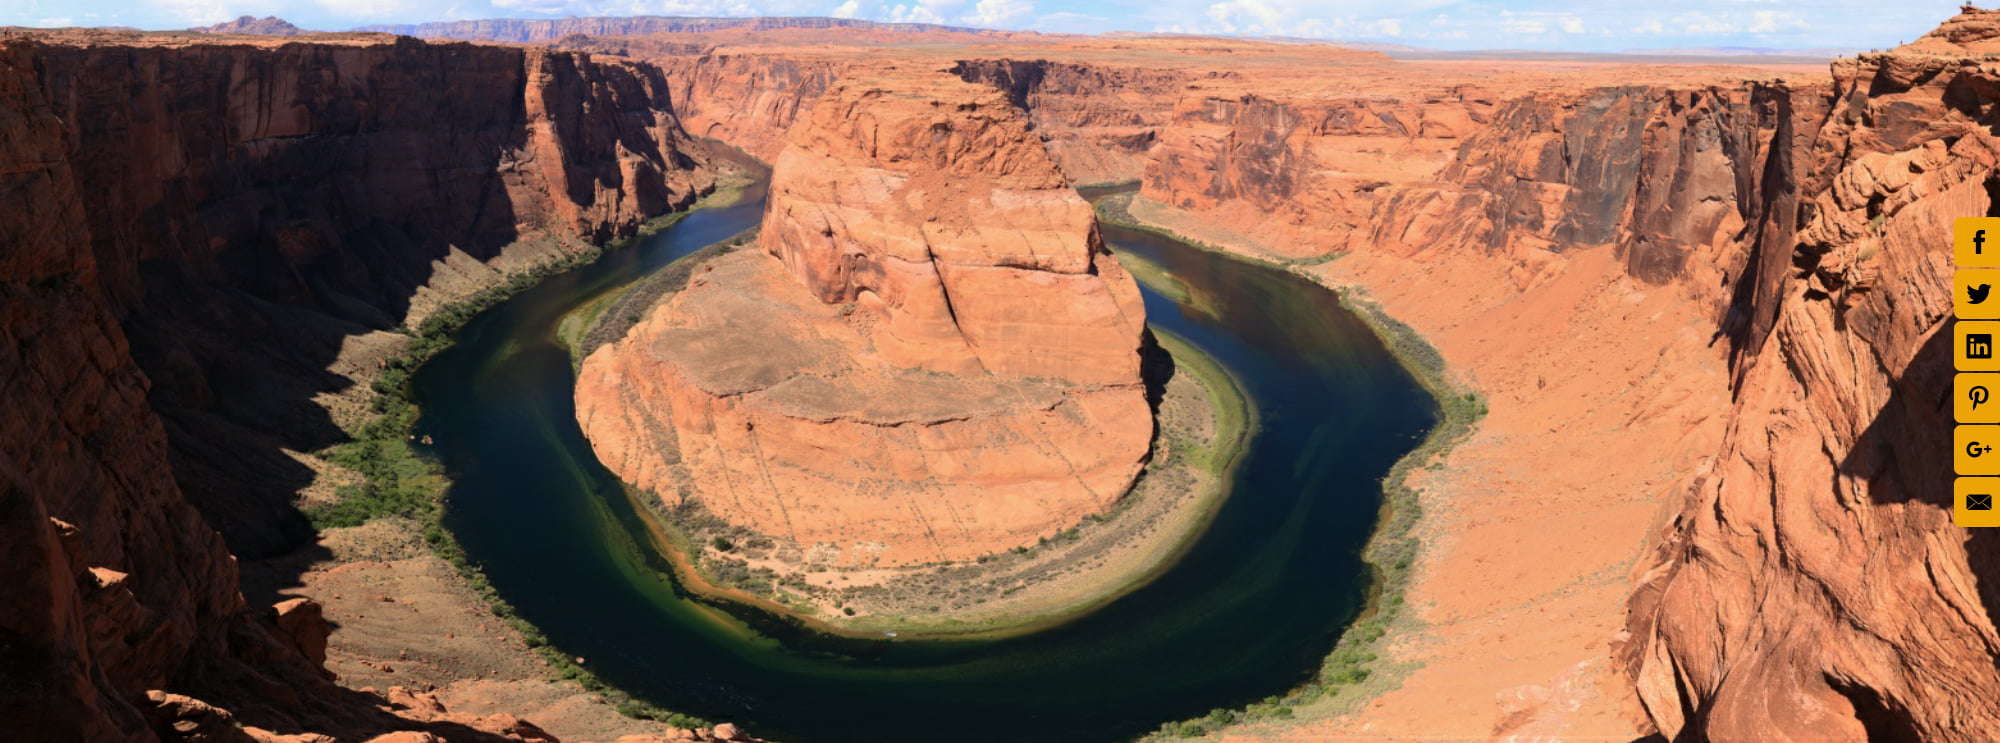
x,y
609,316
400,480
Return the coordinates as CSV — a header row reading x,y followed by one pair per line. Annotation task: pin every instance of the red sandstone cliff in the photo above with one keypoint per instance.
x,y
1813,585
1100,121
1808,584
748,101
192,229
933,359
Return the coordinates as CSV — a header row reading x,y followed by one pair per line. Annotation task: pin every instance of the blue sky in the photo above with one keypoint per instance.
x,y
1452,24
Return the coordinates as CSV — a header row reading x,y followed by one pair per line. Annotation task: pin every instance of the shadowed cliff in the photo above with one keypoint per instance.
x,y
198,236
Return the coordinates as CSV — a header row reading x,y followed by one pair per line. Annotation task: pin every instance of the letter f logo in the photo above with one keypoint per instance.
x,y
1978,242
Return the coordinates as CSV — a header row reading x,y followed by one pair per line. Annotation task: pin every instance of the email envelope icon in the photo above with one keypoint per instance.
x,y
1972,501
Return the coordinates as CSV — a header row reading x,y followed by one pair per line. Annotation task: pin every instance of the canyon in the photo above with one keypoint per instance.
x,y
1703,306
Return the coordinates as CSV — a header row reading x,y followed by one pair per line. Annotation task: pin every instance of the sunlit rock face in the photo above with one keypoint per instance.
x,y
929,356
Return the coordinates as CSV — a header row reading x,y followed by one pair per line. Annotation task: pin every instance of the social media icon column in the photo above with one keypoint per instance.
x,y
1976,390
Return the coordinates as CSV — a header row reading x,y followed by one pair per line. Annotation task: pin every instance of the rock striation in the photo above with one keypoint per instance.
x,y
931,357
1812,585
194,231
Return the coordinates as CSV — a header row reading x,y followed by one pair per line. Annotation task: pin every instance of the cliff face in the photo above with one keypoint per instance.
x,y
193,231
1304,173
1100,121
1808,583
934,359
237,191
748,101
955,224
1812,585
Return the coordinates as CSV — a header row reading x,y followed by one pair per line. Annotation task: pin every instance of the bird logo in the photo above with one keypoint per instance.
x,y
1976,293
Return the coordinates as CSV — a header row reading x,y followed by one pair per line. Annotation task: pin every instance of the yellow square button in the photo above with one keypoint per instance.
x,y
1976,450
1973,346
1975,242
1975,398
1973,501
1973,296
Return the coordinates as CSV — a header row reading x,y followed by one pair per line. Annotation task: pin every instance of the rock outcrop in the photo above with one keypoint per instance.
x,y
748,101
1812,586
932,358
1100,121
193,231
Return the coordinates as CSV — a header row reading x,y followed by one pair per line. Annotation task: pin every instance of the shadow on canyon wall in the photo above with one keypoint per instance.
x,y
1907,456
245,234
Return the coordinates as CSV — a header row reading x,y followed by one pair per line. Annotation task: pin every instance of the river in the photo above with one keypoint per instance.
x,y
1249,611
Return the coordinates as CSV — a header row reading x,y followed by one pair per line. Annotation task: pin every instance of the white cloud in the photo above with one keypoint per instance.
x,y
1251,16
1572,25
923,11
60,21
1704,23
365,9
846,9
996,13
1773,21
199,12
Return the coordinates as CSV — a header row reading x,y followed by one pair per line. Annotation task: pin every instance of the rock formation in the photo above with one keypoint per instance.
x,y
1813,585
1100,121
192,232
932,358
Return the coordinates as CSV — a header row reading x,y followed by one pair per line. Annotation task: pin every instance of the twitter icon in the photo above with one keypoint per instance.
x,y
1973,286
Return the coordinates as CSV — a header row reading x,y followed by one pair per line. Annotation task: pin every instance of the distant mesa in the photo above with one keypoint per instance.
x,y
929,358
541,30
266,26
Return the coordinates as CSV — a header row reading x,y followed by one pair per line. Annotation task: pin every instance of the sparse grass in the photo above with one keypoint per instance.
x,y
609,316
399,480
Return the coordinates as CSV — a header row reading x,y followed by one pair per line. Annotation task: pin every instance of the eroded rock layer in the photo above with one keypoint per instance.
x,y
192,230
1812,585
931,358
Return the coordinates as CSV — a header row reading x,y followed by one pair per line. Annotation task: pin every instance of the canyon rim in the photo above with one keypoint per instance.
x,y
224,250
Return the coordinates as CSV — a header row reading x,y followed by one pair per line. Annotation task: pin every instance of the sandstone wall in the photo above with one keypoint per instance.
x,y
930,200
1812,586
931,358
1808,583
1099,120
193,232
747,101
